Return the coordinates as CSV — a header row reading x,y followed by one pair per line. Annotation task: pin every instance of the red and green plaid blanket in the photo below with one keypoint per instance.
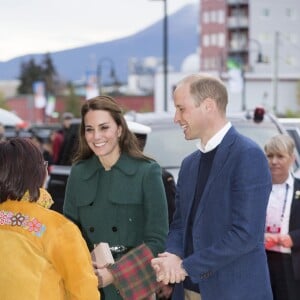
x,y
133,274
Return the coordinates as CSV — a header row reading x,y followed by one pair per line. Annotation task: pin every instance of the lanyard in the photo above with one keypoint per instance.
x,y
285,201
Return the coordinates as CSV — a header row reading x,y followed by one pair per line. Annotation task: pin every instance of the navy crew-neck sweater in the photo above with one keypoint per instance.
x,y
205,165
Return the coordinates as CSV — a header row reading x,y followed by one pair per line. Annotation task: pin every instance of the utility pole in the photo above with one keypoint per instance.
x,y
165,37
165,54
275,72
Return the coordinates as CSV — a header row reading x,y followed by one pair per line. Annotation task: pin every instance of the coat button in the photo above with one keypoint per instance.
x,y
92,229
114,229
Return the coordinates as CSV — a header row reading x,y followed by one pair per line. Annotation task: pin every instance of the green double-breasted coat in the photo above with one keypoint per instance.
x,y
123,206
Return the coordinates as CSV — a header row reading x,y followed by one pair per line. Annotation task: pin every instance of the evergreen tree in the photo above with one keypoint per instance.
x,y
49,75
31,72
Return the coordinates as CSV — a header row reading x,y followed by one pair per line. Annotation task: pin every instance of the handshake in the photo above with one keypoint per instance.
x,y
168,268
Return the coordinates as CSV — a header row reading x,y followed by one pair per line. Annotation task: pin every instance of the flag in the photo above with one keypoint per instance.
x,y
50,107
236,81
232,64
91,85
38,88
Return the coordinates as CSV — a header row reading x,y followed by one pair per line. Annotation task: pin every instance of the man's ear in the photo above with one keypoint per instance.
x,y
209,104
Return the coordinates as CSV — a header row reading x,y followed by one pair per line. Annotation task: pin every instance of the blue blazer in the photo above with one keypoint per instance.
x,y
229,260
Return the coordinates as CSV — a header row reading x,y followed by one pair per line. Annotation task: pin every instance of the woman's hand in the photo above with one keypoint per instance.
x,y
271,240
285,240
105,277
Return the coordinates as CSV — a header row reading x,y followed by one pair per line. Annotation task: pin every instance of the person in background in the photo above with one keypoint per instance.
x,y
215,246
141,132
60,140
45,147
43,254
114,192
282,233
2,132
56,138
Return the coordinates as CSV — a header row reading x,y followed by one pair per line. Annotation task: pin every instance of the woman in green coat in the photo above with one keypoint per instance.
x,y
115,193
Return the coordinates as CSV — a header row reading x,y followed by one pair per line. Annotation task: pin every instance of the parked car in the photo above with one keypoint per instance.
x,y
42,131
292,126
166,143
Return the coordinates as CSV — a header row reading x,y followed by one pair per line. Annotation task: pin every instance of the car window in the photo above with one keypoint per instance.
x,y
168,146
294,132
260,133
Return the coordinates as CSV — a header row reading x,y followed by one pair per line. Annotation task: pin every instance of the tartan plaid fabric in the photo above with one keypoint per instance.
x,y
133,274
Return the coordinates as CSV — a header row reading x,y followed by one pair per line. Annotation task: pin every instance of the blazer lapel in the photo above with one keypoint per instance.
x,y
218,163
295,207
193,174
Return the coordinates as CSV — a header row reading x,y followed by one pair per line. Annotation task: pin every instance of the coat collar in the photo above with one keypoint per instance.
x,y
126,164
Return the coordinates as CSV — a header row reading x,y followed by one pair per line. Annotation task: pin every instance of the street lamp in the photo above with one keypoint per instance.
x,y
99,72
259,54
165,54
275,72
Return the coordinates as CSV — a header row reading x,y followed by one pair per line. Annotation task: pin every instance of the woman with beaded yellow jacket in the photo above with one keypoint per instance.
x,y
43,254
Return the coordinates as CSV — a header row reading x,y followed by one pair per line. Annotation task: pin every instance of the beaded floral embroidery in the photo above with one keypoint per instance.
x,y
26,222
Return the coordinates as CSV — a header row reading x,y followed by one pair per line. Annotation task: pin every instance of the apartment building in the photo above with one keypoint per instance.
x,y
262,37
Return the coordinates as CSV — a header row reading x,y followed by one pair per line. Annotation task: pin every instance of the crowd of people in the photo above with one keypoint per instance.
x,y
53,147
229,229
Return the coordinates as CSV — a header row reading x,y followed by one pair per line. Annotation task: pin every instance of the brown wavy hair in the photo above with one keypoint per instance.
x,y
128,142
22,169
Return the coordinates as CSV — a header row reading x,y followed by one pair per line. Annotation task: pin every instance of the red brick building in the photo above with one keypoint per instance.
x,y
24,107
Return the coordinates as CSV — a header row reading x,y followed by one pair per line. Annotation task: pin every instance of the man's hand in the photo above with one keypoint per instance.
x,y
168,268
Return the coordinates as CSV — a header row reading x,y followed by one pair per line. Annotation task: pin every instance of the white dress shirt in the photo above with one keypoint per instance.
x,y
215,140
279,209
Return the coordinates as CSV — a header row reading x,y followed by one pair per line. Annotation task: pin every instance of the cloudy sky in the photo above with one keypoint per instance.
x,y
39,26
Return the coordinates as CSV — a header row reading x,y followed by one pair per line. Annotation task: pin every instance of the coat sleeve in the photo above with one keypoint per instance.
x,y
70,208
155,209
71,258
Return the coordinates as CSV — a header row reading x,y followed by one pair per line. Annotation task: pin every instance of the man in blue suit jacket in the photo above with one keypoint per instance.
x,y
215,248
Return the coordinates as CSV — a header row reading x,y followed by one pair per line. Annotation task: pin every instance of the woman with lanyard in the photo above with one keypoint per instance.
x,y
282,233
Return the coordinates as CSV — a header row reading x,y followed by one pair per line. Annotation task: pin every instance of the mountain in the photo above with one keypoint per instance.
x,y
72,64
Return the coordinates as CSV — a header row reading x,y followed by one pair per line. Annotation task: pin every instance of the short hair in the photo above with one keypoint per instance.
x,y
22,169
203,86
281,143
67,116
